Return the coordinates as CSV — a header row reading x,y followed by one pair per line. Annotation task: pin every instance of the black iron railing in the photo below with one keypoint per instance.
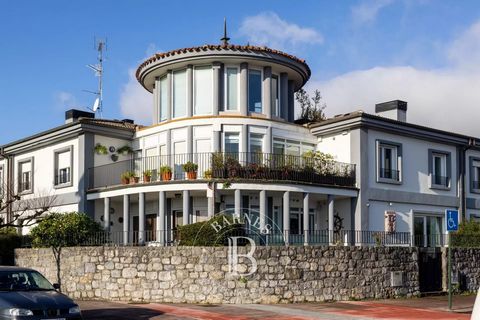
x,y
440,181
222,166
389,174
278,238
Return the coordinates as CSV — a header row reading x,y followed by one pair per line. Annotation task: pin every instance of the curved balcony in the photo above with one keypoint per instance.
x,y
223,167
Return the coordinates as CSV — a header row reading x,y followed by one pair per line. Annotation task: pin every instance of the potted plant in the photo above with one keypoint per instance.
x,y
125,177
208,174
133,178
147,175
191,169
125,150
166,173
100,149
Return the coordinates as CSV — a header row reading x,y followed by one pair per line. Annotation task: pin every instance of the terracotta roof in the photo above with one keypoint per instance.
x,y
219,47
120,124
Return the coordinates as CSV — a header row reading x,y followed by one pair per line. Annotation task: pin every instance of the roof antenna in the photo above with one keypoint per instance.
x,y
100,45
225,38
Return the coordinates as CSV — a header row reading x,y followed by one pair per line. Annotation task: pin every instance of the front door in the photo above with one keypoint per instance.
x,y
150,227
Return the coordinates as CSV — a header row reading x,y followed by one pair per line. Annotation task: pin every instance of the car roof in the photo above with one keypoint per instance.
x,y
14,268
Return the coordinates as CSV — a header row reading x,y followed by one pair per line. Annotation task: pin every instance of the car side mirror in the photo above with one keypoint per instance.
x,y
56,286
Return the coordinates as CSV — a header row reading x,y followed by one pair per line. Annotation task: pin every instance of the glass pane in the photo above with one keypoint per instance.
x,y
255,91
203,95
256,143
231,142
418,230
179,94
434,233
163,98
232,86
293,148
275,101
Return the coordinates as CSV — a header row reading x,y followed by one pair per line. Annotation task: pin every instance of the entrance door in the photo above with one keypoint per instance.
x,y
430,269
177,219
150,227
428,231
180,158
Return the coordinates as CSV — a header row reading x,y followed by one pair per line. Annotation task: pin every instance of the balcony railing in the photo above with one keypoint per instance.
x,y
389,174
224,166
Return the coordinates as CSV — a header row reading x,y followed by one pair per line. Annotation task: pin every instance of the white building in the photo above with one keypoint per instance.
x,y
230,110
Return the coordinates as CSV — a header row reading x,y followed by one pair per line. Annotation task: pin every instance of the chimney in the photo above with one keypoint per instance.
x,y
72,115
396,110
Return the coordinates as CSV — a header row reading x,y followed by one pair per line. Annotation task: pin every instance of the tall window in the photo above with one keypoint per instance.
x,y
232,88
388,164
63,163
163,98
179,94
232,142
256,143
255,91
25,176
275,97
439,173
475,175
2,181
203,87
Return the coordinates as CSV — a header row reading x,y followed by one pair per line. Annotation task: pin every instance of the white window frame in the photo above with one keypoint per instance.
x,y
172,91
396,164
262,100
163,117
238,133
446,170
20,176
474,174
274,108
56,169
225,87
194,88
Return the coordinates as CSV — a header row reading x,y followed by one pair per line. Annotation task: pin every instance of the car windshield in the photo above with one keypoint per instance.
x,y
23,281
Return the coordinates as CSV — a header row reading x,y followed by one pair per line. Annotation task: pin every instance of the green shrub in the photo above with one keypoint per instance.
x,y
64,229
467,236
213,232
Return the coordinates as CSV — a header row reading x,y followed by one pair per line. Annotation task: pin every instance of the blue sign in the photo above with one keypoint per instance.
x,y
451,219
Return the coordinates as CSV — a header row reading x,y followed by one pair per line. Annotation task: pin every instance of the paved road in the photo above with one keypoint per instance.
x,y
424,308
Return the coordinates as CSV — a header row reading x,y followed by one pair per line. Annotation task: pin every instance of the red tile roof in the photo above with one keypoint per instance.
x,y
218,47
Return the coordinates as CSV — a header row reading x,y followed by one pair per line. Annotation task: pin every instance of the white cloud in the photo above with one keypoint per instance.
x,y
269,29
135,102
65,100
368,10
447,98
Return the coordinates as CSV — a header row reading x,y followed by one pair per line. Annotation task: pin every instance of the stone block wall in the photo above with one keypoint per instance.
x,y
466,263
200,274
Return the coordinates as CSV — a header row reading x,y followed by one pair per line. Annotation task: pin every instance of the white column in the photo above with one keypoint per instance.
x,y
286,216
141,218
126,218
189,90
216,68
267,91
331,212
186,207
161,232
169,95
263,209
244,89
238,202
211,207
106,213
306,220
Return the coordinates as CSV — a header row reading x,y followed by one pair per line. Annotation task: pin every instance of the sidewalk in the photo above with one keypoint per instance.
x,y
401,309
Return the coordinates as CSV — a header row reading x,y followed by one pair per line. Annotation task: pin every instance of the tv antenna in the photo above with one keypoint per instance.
x,y
100,45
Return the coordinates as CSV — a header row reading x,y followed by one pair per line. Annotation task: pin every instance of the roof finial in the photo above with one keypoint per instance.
x,y
225,38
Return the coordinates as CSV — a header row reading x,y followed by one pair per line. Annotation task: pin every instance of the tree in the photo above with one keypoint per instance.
x,y
312,108
25,211
60,230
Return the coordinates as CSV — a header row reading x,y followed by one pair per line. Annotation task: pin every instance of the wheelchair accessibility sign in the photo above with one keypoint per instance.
x,y
451,219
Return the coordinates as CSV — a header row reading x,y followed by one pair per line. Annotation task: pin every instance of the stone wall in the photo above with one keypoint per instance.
x,y
466,264
200,274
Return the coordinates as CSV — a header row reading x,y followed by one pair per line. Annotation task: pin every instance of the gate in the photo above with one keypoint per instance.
x,y
430,269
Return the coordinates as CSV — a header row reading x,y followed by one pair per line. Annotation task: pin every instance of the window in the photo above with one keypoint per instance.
x,y
275,97
388,168
203,88
255,91
439,169
63,164
428,231
163,98
256,143
2,181
475,174
179,94
232,88
25,183
278,146
231,142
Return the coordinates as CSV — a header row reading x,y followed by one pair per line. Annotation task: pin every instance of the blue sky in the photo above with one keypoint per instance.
x,y
360,53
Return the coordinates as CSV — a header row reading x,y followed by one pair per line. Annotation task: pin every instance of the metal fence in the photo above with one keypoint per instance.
x,y
221,165
174,238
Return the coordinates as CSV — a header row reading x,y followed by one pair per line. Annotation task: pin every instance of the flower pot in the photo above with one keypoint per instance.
x,y
192,175
125,181
146,178
134,179
166,176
